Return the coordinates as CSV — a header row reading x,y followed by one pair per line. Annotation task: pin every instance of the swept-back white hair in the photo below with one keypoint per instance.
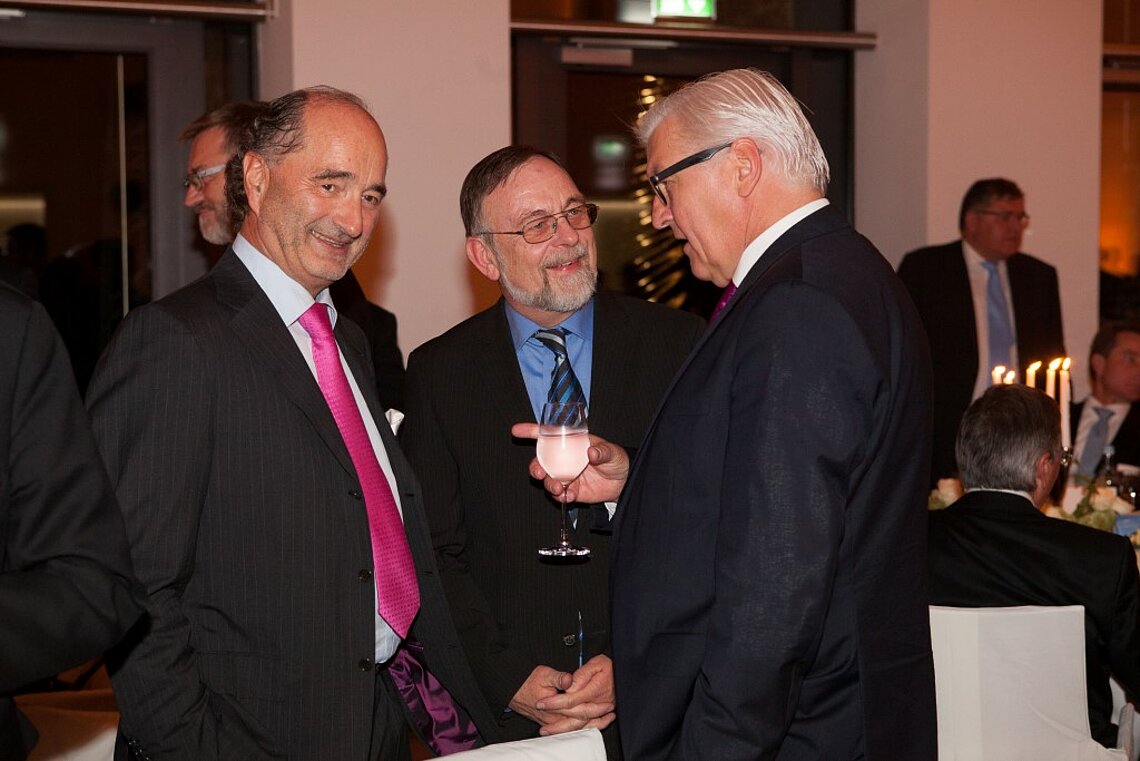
x,y
723,107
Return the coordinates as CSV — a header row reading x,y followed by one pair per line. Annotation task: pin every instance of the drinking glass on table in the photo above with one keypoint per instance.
x,y
563,442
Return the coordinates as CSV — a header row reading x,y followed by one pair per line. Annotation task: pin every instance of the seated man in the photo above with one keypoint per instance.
x,y
1107,416
994,548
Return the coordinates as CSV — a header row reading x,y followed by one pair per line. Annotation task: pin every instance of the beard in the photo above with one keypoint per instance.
x,y
574,291
214,225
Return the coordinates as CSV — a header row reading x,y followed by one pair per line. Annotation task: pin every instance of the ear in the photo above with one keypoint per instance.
x,y
480,255
1045,472
747,165
1096,364
255,176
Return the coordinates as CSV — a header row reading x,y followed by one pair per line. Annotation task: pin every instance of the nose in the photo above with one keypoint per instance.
x,y
564,233
193,195
662,216
350,217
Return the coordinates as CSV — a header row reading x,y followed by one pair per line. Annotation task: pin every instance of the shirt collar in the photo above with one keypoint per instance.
x,y
580,324
1118,408
288,297
765,239
976,260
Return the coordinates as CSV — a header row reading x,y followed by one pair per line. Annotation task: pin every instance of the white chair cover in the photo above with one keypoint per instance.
x,y
1010,684
583,745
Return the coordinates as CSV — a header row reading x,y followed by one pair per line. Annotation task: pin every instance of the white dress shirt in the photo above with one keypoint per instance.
x,y
1088,420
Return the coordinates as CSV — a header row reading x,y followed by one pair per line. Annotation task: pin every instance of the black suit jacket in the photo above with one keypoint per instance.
x,y
992,549
768,591
379,326
248,530
67,592
940,286
488,519
1126,442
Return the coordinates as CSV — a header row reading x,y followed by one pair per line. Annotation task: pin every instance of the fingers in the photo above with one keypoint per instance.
x,y
572,724
525,430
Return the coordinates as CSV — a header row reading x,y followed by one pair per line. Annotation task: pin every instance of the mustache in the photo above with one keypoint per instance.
x,y
558,259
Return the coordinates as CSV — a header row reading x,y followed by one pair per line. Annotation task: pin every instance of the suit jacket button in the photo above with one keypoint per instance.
x,y
569,640
366,664
355,494
365,574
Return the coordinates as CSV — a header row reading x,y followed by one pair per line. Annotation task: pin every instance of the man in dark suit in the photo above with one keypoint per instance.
x,y
1109,414
526,623
67,592
768,590
265,525
214,138
993,547
983,304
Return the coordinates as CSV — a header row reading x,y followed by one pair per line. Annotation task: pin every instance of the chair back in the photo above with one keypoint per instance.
x,y
1010,684
583,745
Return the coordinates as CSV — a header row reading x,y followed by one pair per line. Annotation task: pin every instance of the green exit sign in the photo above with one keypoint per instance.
x,y
703,9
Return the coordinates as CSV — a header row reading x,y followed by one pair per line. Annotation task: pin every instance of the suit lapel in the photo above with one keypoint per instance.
x,y
958,278
492,355
259,328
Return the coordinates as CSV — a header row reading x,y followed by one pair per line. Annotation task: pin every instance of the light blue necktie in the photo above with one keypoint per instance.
x,y
997,312
1094,444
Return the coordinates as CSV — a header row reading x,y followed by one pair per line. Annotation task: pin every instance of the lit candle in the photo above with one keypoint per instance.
x,y
1066,437
1031,374
996,374
1051,378
1010,377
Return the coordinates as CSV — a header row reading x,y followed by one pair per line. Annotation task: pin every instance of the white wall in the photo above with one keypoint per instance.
x,y
437,76
962,89
955,90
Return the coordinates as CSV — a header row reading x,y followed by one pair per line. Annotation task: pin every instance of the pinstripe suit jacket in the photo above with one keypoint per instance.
x,y
488,519
248,530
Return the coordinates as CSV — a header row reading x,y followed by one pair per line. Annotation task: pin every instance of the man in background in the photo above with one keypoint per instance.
x,y
531,628
994,547
67,592
984,304
1107,415
273,520
214,138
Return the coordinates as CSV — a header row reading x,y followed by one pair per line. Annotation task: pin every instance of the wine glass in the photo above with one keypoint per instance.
x,y
563,442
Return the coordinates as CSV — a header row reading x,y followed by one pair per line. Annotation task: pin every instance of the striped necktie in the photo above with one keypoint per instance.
x,y
564,385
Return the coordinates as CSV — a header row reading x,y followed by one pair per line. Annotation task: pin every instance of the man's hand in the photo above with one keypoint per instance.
x,y
589,701
543,683
601,481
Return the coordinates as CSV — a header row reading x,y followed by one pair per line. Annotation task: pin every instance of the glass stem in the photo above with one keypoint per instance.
x,y
565,531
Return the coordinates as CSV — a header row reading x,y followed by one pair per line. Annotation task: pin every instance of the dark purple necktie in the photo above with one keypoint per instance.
x,y
725,297
397,591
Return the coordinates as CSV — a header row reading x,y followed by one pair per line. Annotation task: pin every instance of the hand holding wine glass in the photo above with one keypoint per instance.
x,y
563,441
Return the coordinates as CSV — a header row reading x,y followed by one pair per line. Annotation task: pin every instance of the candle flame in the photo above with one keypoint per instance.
x,y
1066,363
1055,364
1010,377
1034,367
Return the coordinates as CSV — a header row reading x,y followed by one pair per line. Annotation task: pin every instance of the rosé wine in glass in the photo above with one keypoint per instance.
x,y
563,443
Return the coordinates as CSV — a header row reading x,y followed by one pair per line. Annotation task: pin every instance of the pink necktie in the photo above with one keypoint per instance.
x,y
397,592
725,297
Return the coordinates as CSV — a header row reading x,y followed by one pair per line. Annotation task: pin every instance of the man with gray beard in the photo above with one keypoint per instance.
x,y
536,632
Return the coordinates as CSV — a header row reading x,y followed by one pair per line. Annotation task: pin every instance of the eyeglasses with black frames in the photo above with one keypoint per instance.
x,y
1005,217
657,181
543,229
197,179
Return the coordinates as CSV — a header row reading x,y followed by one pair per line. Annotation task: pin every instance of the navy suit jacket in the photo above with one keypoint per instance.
x,y
488,519
769,599
992,549
248,529
940,286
